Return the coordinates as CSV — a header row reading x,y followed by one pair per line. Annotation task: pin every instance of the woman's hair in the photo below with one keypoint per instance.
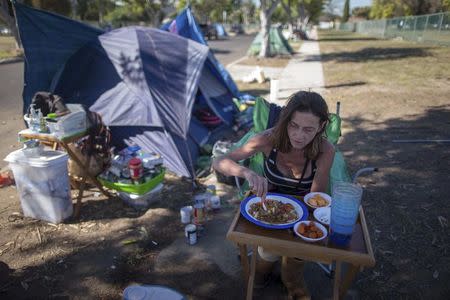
x,y
302,102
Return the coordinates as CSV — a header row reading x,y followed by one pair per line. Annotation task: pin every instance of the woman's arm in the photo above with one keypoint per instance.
x,y
324,162
227,164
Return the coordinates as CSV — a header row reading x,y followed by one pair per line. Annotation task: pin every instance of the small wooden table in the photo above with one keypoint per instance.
x,y
285,243
64,143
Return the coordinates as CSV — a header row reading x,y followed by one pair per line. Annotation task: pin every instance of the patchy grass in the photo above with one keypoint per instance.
x,y
255,89
273,62
396,90
8,47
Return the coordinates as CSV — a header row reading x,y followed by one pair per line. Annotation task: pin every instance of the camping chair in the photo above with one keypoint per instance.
x,y
265,116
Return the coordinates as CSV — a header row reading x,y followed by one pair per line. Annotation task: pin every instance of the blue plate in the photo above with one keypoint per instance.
x,y
302,210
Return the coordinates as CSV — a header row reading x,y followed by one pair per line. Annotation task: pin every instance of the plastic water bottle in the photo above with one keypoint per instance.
x,y
344,211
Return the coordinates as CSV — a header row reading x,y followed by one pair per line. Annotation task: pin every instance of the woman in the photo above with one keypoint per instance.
x,y
297,161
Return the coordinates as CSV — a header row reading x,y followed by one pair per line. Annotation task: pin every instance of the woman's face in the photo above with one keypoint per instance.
x,y
302,128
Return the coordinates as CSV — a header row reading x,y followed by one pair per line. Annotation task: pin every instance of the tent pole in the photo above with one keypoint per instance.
x,y
192,164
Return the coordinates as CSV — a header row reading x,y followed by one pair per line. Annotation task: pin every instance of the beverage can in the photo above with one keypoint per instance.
x,y
190,232
199,214
136,169
211,189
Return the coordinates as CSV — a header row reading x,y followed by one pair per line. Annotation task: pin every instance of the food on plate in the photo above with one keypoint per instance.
x,y
318,201
310,230
277,212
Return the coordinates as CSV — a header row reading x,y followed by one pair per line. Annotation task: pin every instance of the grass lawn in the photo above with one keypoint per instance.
x,y
395,90
7,47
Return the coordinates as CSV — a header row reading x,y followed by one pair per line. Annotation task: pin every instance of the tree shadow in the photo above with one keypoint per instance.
x,y
368,54
220,51
347,84
350,39
403,202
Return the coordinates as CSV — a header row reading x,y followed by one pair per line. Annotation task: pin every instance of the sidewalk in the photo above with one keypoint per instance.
x,y
303,72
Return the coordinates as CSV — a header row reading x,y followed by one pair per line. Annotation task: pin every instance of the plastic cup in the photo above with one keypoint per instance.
x,y
344,211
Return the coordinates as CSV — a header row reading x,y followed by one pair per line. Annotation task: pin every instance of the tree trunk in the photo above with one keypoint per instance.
x,y
73,8
287,9
265,19
7,15
265,34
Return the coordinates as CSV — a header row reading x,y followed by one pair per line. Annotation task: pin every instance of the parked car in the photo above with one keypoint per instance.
x,y
209,31
5,31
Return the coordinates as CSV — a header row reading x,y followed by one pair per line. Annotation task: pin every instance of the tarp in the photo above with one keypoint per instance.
x,y
185,25
146,83
220,30
48,41
278,44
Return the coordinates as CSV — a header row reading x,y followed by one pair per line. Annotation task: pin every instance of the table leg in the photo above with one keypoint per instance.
x,y
244,261
251,278
337,280
85,170
348,279
76,214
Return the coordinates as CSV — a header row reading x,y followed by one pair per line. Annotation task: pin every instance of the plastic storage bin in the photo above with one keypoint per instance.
x,y
142,201
43,184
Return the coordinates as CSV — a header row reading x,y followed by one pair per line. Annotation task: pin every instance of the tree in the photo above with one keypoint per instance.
x,y
361,12
7,15
346,14
265,13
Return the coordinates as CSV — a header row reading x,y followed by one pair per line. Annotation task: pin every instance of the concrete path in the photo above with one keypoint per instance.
x,y
303,72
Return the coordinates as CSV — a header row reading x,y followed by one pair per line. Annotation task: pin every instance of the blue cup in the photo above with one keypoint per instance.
x,y
344,211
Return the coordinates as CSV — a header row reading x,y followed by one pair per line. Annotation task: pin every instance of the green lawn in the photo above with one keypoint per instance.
x,y
7,47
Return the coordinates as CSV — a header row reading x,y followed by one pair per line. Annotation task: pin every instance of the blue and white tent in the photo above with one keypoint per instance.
x,y
146,83
185,25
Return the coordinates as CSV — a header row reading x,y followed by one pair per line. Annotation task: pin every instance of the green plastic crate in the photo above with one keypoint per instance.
x,y
138,189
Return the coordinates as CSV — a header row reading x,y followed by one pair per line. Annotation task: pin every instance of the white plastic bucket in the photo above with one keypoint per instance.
x,y
274,87
43,184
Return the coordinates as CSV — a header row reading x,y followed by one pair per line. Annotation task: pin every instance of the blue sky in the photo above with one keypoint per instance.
x,y
339,5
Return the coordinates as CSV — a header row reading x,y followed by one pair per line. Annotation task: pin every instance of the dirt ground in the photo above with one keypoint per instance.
x,y
395,90
388,89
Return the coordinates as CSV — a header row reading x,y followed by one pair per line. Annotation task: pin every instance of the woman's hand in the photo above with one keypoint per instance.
x,y
257,184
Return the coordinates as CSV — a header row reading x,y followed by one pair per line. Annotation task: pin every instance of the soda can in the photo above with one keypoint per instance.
x,y
199,214
190,231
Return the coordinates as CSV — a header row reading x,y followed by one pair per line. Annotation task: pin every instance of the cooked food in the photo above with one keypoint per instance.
x,y
310,230
277,212
318,201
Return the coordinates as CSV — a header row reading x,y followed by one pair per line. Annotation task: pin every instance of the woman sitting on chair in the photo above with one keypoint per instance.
x,y
297,161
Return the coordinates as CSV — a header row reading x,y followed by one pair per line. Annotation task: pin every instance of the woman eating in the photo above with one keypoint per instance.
x,y
297,161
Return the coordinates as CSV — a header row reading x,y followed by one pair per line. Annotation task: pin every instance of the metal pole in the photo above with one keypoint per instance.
x,y
425,28
440,22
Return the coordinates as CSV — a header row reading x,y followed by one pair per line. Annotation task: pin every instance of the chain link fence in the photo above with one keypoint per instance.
x,y
433,28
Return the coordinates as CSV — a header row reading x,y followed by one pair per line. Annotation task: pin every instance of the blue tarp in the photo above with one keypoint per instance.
x,y
146,83
48,41
220,30
185,25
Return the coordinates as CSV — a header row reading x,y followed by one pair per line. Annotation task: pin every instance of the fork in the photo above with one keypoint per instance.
x,y
263,200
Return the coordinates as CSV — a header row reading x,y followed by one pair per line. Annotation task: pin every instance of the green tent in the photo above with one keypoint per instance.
x,y
278,44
